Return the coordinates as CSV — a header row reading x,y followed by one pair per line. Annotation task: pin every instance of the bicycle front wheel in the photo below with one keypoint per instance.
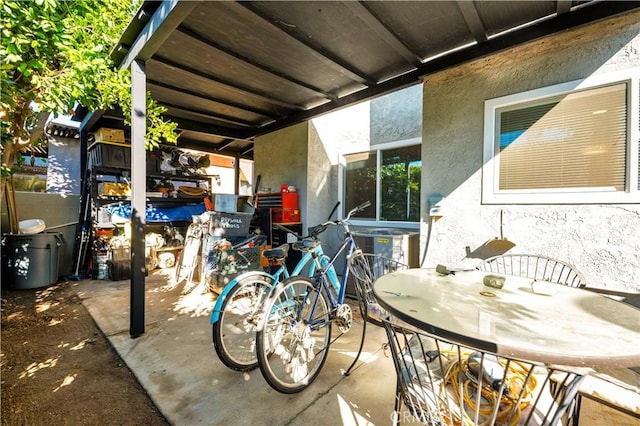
x,y
293,341
234,334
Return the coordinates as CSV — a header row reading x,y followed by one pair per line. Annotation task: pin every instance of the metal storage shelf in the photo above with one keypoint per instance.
x,y
102,174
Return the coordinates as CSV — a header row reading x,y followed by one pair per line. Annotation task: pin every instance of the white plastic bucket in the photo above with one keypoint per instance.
x,y
31,226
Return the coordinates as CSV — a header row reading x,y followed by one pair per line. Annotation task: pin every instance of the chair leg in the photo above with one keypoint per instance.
x,y
397,406
576,410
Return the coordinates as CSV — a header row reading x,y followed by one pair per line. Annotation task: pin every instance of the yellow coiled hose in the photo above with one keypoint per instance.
x,y
517,377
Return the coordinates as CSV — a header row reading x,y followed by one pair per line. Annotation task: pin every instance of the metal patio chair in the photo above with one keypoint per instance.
x,y
552,270
535,267
617,388
365,268
441,383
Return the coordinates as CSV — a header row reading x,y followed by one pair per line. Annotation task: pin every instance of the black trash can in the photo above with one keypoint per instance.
x,y
30,261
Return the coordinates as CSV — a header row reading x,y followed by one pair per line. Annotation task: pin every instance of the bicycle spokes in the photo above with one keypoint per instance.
x,y
292,346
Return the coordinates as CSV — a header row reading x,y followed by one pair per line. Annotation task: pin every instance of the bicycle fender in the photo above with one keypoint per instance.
x,y
215,314
305,260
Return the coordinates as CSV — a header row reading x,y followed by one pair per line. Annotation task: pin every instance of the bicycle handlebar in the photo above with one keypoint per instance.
x,y
319,229
311,234
314,231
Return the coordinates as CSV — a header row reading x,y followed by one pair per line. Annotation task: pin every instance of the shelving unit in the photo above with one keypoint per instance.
x,y
100,175
104,228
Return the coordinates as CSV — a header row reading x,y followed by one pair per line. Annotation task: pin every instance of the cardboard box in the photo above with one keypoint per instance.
x,y
225,203
105,134
115,189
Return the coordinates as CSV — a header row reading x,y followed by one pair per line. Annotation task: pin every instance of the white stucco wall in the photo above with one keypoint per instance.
x,y
602,241
63,174
281,157
298,156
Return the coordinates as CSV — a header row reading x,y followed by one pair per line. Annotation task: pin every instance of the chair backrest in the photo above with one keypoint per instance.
x,y
535,267
438,382
365,268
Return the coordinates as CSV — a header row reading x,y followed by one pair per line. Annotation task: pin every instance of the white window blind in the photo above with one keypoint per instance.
x,y
578,140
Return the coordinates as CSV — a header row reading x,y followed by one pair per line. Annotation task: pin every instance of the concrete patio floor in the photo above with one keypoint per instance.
x,y
175,362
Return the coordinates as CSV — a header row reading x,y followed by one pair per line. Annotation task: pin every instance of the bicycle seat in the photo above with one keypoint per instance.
x,y
276,253
306,245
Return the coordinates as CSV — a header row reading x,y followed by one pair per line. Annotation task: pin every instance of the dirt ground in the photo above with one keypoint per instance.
x,y
58,368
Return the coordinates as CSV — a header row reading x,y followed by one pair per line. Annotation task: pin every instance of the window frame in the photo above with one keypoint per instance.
x,y
377,148
491,194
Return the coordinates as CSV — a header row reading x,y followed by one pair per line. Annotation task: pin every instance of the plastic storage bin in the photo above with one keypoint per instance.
x,y
31,261
229,224
119,263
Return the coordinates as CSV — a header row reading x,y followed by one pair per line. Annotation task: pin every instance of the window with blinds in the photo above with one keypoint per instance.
x,y
574,142
578,140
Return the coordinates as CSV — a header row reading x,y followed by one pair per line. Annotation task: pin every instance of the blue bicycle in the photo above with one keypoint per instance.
x,y
235,315
295,331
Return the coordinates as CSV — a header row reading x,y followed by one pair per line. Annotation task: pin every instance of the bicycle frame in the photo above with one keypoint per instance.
x,y
325,276
295,329
280,274
327,271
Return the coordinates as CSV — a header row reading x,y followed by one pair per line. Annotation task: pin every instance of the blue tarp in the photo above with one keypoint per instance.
x,y
160,214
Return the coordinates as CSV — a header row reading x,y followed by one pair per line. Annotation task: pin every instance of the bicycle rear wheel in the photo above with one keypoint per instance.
x,y
234,334
293,340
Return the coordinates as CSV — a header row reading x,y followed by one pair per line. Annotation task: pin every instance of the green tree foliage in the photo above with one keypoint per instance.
x,y
400,192
55,54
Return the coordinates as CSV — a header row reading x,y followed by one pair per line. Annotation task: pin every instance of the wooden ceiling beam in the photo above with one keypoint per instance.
x,y
211,129
225,102
522,35
157,29
375,23
261,67
228,83
339,64
563,6
206,114
473,21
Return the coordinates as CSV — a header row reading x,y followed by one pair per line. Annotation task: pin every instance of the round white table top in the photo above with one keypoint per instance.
x,y
571,327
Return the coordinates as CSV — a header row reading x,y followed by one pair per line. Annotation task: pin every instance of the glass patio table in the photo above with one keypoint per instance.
x,y
553,325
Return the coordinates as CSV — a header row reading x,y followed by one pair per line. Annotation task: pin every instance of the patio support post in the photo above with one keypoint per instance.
x,y
236,170
138,202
